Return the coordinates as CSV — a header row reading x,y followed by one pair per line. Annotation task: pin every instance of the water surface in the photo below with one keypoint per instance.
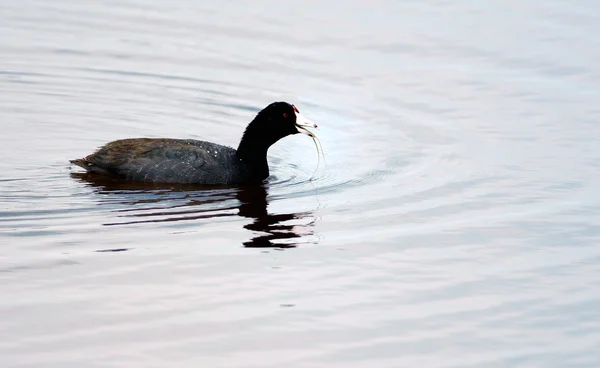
x,y
456,222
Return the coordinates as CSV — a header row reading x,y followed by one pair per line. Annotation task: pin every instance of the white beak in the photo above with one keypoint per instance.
x,y
302,122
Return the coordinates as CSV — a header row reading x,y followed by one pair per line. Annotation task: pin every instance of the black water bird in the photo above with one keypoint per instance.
x,y
189,161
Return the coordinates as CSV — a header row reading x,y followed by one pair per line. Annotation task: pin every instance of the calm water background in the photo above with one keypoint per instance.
x,y
456,223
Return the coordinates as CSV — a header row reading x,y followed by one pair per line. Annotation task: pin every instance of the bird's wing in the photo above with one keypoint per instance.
x,y
162,160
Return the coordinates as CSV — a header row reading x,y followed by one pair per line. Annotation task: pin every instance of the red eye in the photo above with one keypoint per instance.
x,y
285,115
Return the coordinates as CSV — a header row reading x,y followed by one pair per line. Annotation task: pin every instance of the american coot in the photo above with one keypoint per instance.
x,y
189,161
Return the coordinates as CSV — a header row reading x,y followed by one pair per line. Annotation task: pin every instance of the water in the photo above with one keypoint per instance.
x,y
456,223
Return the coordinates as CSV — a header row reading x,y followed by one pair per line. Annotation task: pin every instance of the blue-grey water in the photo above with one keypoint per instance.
x,y
456,222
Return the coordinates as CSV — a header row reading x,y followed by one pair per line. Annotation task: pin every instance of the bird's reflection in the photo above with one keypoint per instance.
x,y
172,202
253,205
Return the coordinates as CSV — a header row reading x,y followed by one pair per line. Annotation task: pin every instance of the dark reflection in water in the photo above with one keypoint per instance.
x,y
174,202
254,204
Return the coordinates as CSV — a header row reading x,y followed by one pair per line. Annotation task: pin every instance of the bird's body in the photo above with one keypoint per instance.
x,y
164,160
189,161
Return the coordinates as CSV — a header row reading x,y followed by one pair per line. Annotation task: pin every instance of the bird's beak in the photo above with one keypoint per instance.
x,y
302,123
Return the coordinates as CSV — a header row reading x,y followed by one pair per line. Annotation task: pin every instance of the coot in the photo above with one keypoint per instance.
x,y
189,161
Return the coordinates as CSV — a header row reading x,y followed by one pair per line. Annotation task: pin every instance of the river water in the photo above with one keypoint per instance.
x,y
456,222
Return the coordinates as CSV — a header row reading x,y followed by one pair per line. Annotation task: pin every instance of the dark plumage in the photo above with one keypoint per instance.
x,y
189,161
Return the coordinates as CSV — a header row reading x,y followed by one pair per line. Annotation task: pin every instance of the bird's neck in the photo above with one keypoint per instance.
x,y
253,147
